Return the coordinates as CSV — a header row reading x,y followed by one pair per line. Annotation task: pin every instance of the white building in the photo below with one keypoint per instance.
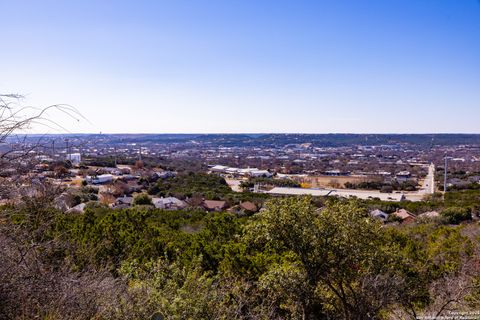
x,y
103,178
75,158
252,172
219,168
260,173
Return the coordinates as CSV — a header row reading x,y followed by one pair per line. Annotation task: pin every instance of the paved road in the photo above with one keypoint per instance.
x,y
428,186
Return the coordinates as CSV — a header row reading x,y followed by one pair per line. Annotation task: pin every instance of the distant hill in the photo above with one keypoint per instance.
x,y
277,140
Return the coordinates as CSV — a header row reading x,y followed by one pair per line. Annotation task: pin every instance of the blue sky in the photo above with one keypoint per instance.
x,y
248,66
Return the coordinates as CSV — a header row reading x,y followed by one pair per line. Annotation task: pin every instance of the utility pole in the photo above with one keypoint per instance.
x,y
53,148
68,149
115,155
140,154
445,176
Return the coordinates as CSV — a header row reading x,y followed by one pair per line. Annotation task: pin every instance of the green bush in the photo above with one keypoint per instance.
x,y
185,185
142,199
455,215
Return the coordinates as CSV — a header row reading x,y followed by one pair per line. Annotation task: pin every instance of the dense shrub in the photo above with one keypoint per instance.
x,y
185,185
289,261
142,199
455,215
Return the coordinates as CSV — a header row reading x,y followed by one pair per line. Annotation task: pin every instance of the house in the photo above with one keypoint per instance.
x,y
379,214
403,176
336,172
404,215
169,203
165,174
123,201
244,208
248,206
214,205
133,186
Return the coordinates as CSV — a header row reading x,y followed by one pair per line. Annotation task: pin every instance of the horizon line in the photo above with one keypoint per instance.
x,y
251,133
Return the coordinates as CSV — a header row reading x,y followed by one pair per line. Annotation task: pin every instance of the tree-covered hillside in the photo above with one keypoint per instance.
x,y
291,261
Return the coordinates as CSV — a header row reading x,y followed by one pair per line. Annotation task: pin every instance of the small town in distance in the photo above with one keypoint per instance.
x,y
114,170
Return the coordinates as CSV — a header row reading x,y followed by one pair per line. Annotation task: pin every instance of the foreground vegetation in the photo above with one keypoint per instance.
x,y
291,261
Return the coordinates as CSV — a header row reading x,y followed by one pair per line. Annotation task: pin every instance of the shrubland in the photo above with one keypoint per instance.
x,y
292,260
